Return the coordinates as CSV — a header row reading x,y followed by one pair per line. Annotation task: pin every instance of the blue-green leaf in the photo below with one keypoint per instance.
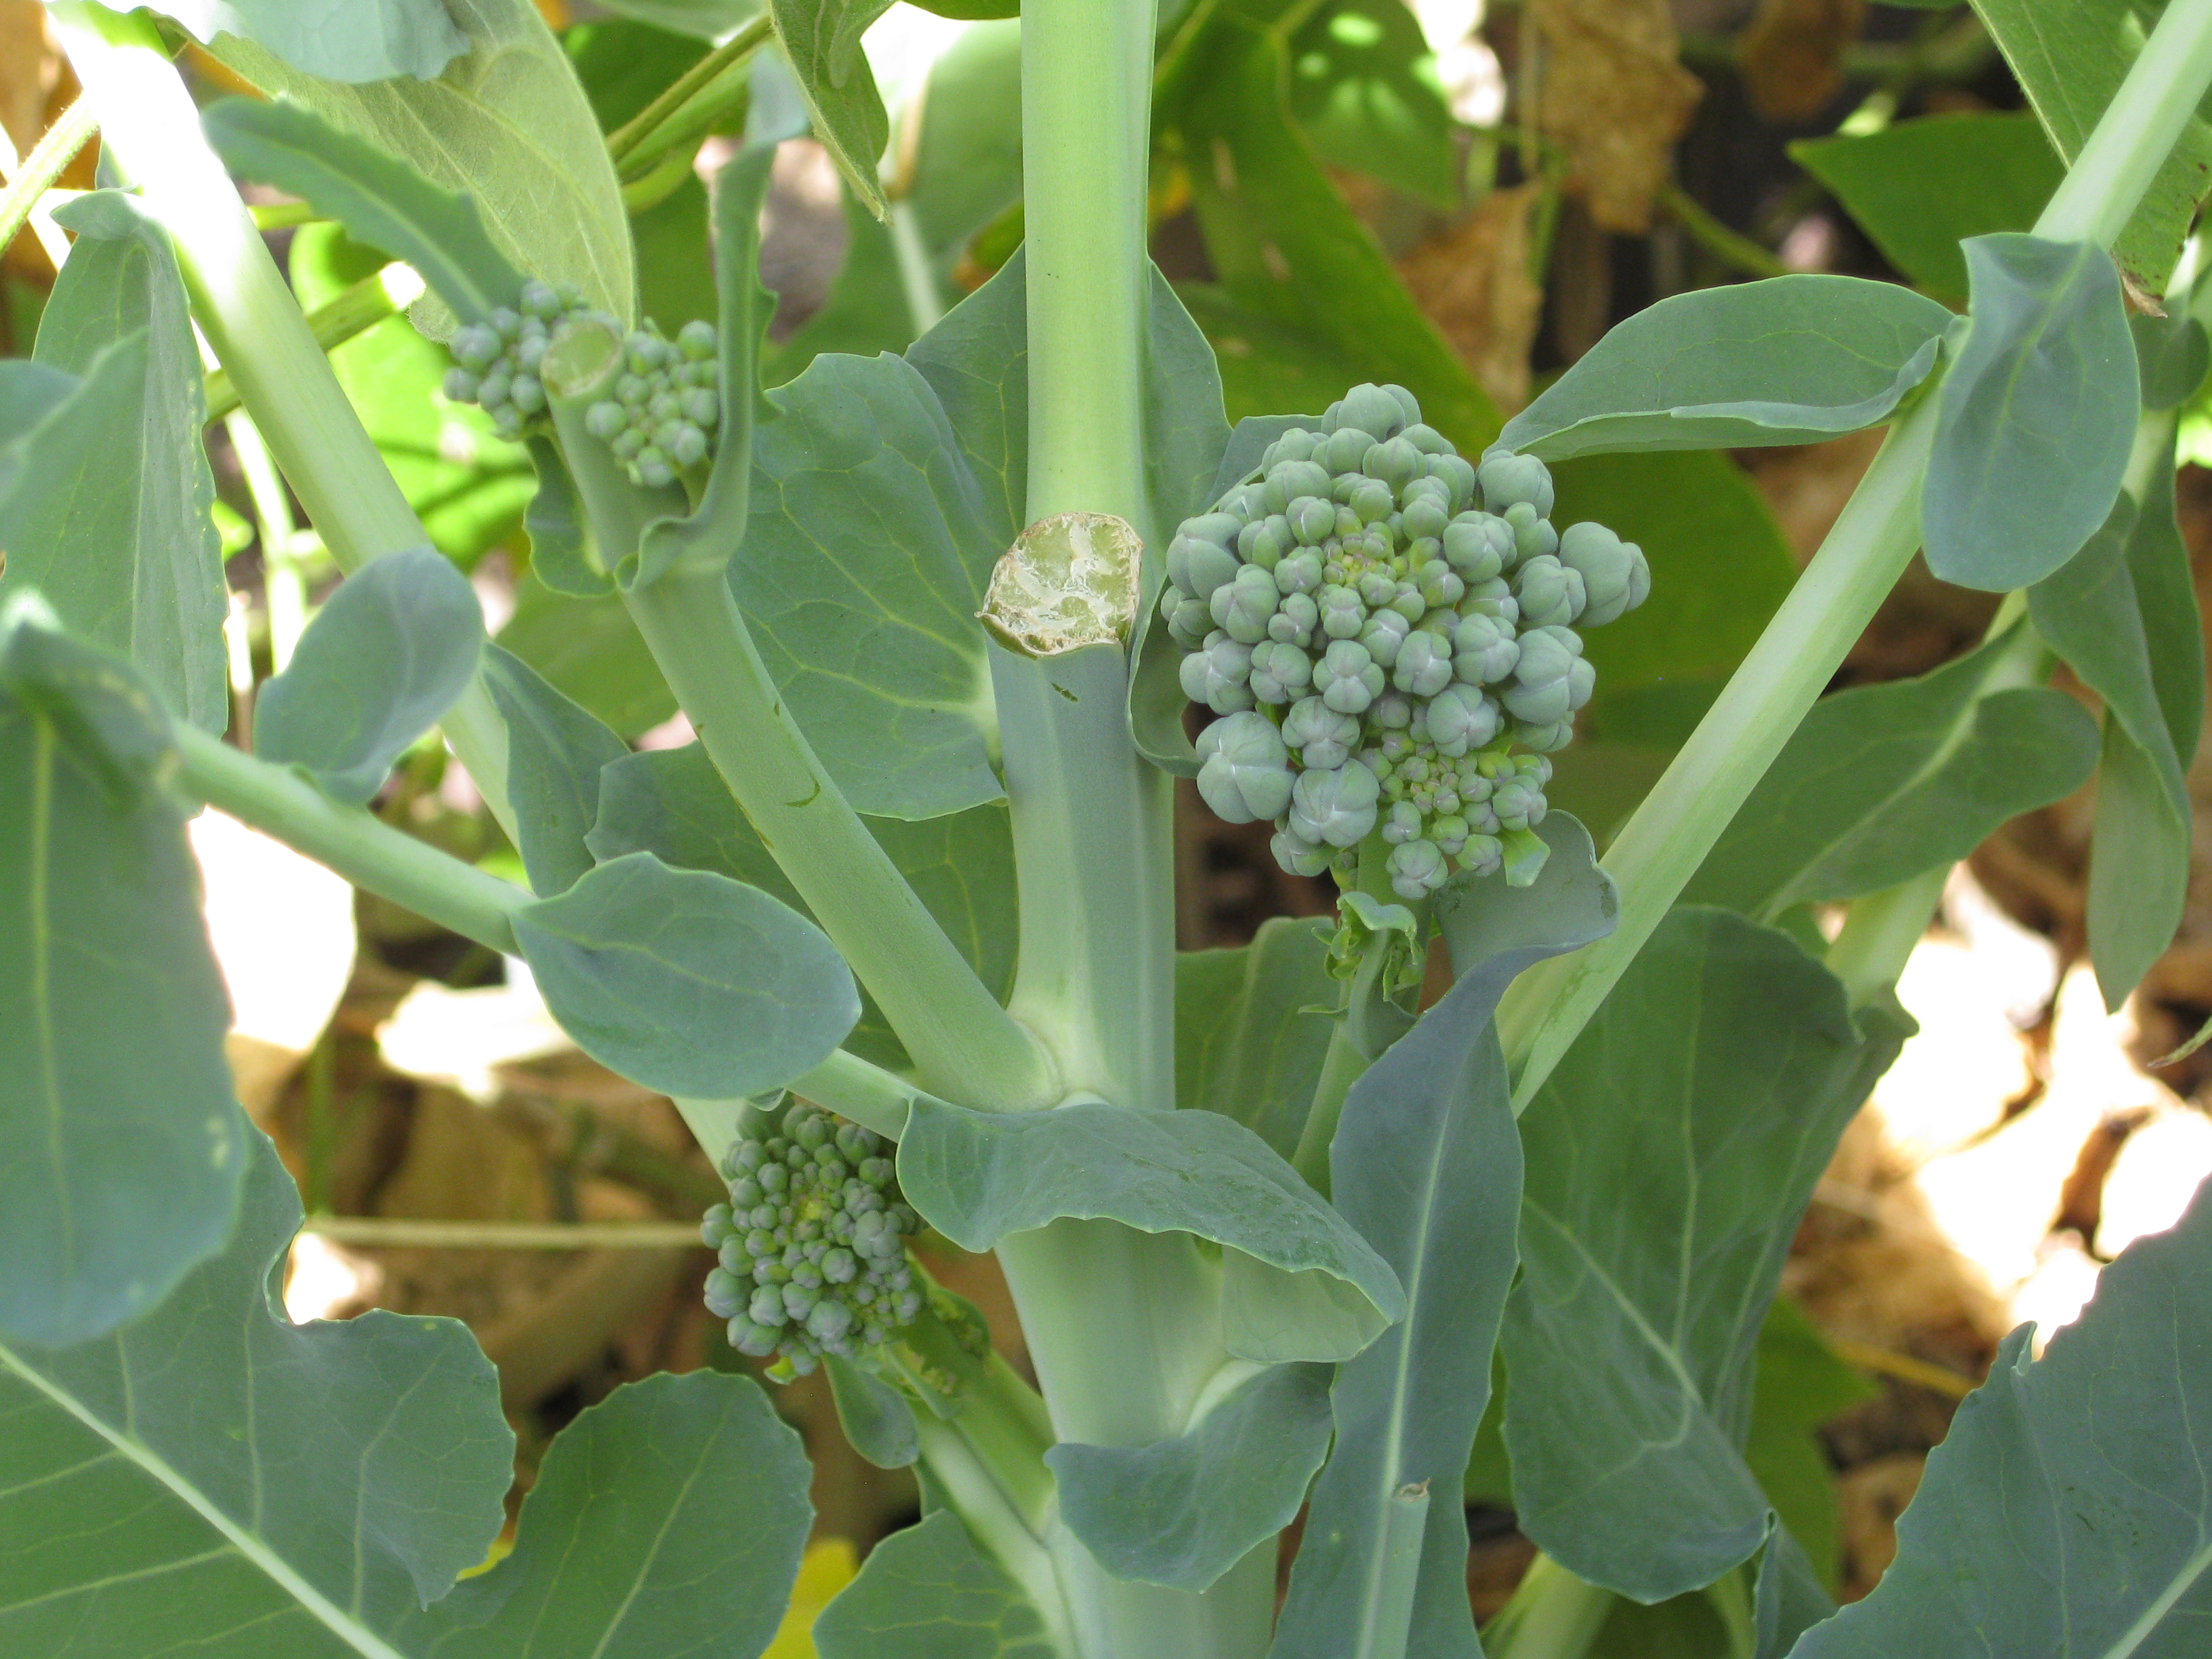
x,y
1883,781
590,650
2070,1501
29,392
1298,1282
2036,417
1789,361
560,554
555,754
1670,1157
337,40
822,39
1252,1027
381,202
877,1421
1426,1163
1181,1512
689,983
928,1593
105,503
121,1145
387,655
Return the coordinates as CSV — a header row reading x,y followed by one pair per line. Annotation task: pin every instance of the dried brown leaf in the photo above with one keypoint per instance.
x,y
1792,54
1616,99
1472,280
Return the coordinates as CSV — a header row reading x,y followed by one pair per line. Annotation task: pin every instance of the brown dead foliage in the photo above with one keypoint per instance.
x,y
1792,55
1472,280
1616,98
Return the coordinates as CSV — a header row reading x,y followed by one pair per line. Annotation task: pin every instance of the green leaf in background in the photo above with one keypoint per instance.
x,y
347,41
254,1487
687,982
1251,1034
387,654
382,203
1307,303
591,652
505,124
29,392
2173,353
1298,1282
1789,361
878,1422
673,803
2124,615
555,751
1364,90
121,1145
105,495
1185,429
821,39
862,573
1426,1163
467,484
2036,418
1799,1385
708,20
2069,1495
976,360
667,1519
928,1593
1181,1512
865,311
1670,1157
1883,781
967,164
1919,188
2071,60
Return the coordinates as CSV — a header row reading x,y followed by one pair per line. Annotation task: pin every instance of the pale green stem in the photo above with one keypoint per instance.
x,y
2137,131
1881,932
1552,1615
844,1083
925,305
997,1524
637,135
55,151
246,309
354,311
283,585
350,840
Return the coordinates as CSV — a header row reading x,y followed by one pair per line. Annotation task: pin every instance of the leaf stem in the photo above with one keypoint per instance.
x,y
52,153
633,137
341,318
353,842
2137,131
1552,1615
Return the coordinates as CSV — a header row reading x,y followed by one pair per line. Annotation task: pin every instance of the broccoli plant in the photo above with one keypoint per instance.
x,y
1273,1226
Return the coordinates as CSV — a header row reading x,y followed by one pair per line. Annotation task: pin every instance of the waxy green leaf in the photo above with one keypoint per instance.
x,y
590,651
1298,1282
928,1593
673,803
2035,419
822,39
1426,1163
1921,187
878,1422
382,201
345,41
561,555
1669,1158
1252,1029
105,501
689,983
1181,1512
507,124
388,654
1789,361
555,751
2070,1500
1883,781
29,392
121,1144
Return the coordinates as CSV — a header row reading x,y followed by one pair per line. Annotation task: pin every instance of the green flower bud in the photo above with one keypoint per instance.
x,y
539,300
766,1309
716,1225
1395,462
1337,807
1454,472
1340,452
1493,598
1417,869
1615,574
1548,592
698,339
1296,444
633,390
1533,535
652,468
690,448
1440,586
459,386
700,407
661,408
1189,622
1299,572
527,394
1484,650
1242,607
1385,633
1478,546
505,323
1295,620
1518,803
1216,675
1300,858
1540,693
1424,665
475,347
1347,678
1581,680
1506,479
1342,614
627,443
604,420
1426,515
1280,671
1199,566
1288,480
507,420
1426,438
1322,738
491,390
1374,409
1244,772
1312,520
530,351
1222,529
1401,824
1483,855
1460,718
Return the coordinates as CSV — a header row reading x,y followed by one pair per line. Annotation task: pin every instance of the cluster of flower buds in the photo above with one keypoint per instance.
x,y
496,362
664,405
1378,623
812,1244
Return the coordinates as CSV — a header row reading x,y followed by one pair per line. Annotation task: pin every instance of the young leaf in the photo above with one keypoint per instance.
x,y
2138,863
2069,61
1919,188
2036,417
1252,1027
387,655
360,40
689,983
928,1593
104,504
1789,361
381,202
1299,1282
2069,1495
1185,431
1669,1157
822,39
556,753
878,1424
508,126
1883,781
673,803
560,555
2173,353
1426,1163
121,1144
706,539
1181,1512
589,650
